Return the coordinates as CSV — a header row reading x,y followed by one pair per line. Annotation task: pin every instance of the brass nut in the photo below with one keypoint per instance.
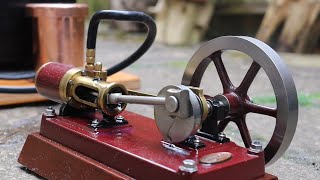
x,y
90,60
111,88
90,56
98,66
90,53
89,67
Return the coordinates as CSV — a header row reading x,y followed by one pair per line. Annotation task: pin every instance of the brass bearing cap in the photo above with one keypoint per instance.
x,y
204,105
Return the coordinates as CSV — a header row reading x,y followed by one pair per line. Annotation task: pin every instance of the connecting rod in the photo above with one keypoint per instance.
x,y
171,103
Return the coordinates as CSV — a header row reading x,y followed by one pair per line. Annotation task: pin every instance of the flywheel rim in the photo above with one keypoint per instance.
x,y
278,74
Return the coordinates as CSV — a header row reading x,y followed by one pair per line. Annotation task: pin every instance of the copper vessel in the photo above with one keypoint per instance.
x,y
58,32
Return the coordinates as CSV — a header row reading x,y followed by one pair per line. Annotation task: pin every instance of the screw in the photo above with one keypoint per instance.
x,y
69,100
255,148
50,112
70,82
222,135
119,119
189,166
95,121
196,140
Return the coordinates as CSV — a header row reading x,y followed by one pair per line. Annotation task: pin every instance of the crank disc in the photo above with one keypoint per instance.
x,y
173,127
286,112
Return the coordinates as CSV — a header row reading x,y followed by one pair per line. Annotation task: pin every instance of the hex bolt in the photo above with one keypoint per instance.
x,y
119,119
222,135
50,112
196,140
95,121
255,148
189,166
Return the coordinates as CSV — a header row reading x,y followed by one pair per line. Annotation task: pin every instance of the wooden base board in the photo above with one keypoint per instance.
x,y
55,161
129,80
67,148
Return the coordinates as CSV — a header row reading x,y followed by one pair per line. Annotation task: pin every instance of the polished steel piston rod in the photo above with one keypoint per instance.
x,y
115,98
171,103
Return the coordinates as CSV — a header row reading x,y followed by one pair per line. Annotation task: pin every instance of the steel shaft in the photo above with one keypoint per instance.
x,y
118,98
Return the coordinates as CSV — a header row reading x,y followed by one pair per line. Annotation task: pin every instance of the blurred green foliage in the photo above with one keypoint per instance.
x,y
306,100
95,5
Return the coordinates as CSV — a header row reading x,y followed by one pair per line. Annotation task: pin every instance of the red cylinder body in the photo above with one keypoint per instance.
x,y
48,79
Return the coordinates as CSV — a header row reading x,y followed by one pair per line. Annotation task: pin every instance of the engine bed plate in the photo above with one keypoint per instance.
x,y
136,150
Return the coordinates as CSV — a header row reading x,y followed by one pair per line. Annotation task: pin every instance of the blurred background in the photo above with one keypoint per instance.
x,y
288,25
31,35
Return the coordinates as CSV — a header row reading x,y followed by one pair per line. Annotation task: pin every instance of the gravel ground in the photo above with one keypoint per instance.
x,y
164,65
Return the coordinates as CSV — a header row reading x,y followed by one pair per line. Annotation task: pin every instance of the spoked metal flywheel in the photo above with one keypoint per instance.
x,y
286,112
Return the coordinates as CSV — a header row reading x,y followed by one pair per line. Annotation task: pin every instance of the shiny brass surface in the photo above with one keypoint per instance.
x,y
98,72
79,91
89,86
90,53
65,81
90,56
90,59
111,109
92,68
205,109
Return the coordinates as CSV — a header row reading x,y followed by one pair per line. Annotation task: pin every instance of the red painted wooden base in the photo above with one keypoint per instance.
x,y
67,148
55,161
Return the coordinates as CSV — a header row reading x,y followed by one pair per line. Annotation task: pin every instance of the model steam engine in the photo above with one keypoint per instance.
x,y
94,132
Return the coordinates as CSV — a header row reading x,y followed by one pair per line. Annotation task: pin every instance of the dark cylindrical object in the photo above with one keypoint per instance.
x,y
48,79
16,41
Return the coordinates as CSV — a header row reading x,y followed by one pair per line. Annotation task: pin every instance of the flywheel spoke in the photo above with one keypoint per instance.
x,y
245,135
285,113
248,78
222,72
260,109
223,124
